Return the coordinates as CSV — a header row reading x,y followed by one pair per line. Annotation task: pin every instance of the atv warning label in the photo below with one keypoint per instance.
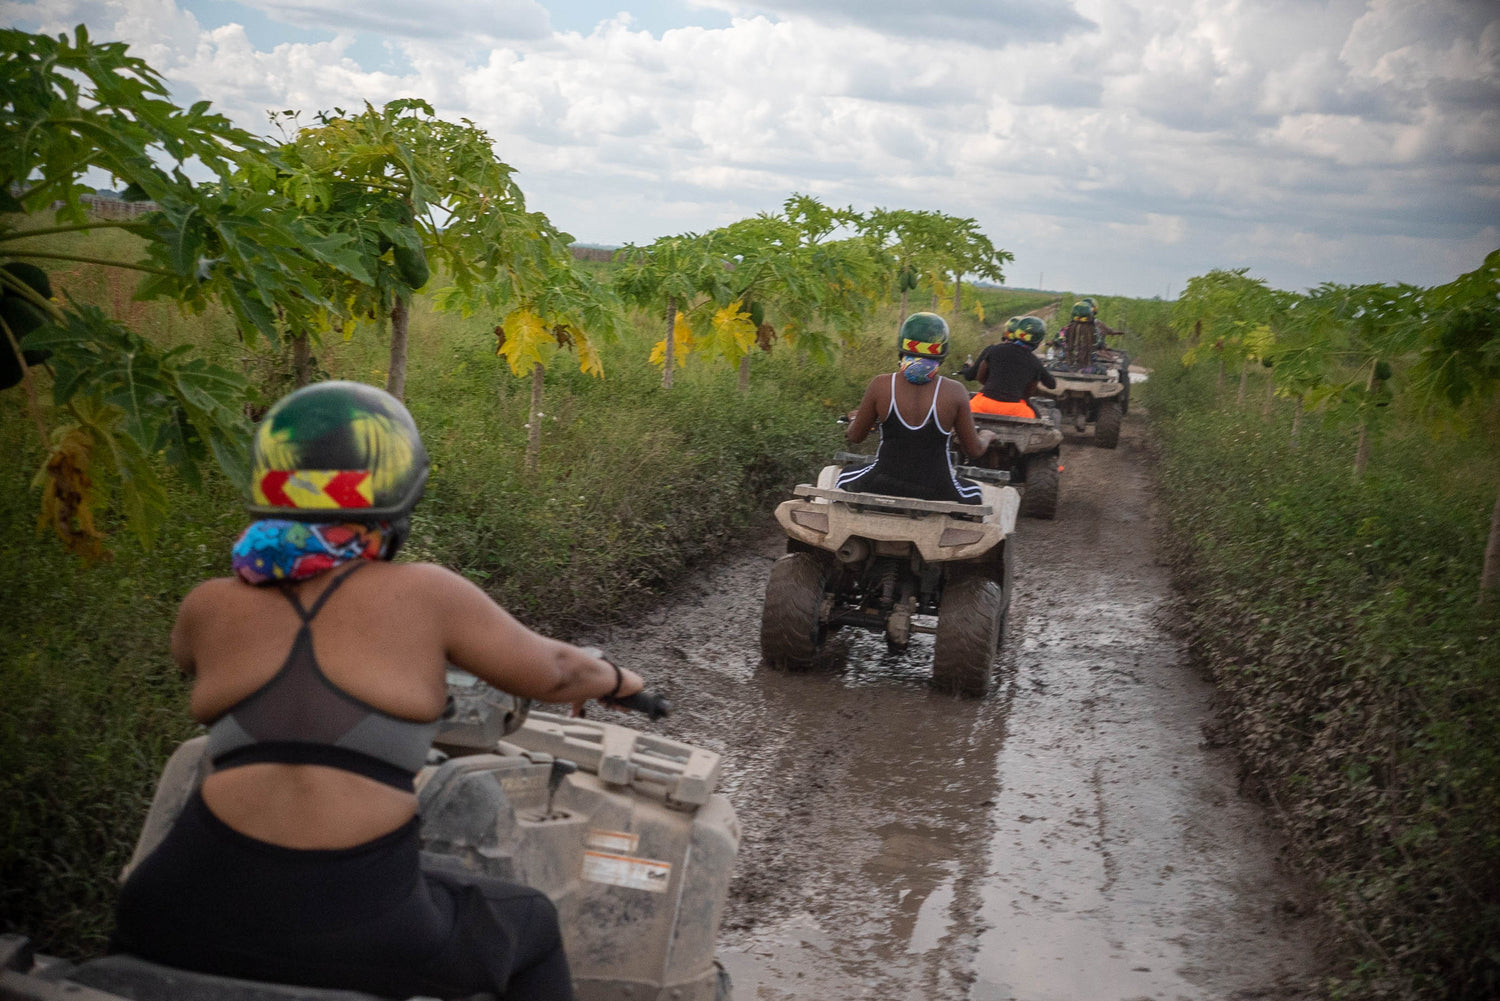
x,y
627,871
614,842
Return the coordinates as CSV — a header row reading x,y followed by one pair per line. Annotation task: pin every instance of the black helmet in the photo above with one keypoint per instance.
x,y
923,335
338,451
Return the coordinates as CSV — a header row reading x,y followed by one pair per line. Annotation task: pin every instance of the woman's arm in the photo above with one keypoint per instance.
x,y
866,416
487,641
973,441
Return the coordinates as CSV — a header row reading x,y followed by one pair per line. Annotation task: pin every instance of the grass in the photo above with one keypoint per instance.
x,y
1359,679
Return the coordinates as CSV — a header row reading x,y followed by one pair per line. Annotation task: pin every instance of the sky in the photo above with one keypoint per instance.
x,y
1114,147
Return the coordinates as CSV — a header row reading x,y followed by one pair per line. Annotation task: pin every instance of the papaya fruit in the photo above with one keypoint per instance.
x,y
757,313
412,265
1382,370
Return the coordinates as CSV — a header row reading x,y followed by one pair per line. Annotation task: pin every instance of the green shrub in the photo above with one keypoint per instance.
x,y
1359,679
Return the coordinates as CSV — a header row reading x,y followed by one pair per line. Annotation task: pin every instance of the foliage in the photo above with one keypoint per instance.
x,y
75,106
1356,676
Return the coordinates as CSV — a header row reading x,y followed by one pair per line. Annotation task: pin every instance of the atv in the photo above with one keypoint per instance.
x,y
621,829
1096,393
890,565
1028,450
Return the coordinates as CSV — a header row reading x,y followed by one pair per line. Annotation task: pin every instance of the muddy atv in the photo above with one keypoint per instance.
x,y
621,829
1028,450
1094,394
892,565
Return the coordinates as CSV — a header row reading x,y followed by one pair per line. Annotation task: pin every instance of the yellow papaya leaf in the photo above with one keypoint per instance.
x,y
733,332
589,361
525,333
1259,341
979,310
682,343
68,493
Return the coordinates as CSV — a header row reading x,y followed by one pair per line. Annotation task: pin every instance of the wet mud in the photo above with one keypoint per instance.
x,y
1072,837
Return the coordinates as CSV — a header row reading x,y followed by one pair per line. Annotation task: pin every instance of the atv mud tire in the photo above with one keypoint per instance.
x,y
791,630
1107,427
970,617
1039,499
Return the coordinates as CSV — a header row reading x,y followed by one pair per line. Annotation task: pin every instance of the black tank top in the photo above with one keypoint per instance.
x,y
300,717
912,460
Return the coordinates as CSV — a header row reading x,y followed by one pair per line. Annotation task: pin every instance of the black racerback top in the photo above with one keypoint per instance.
x,y
300,717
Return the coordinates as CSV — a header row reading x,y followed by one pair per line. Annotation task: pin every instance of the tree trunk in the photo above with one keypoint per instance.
x,y
395,380
1219,388
1244,381
1297,423
301,357
1489,578
904,306
745,374
1270,401
670,356
1362,450
958,286
534,424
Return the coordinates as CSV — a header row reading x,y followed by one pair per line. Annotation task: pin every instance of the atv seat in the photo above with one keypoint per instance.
x,y
114,977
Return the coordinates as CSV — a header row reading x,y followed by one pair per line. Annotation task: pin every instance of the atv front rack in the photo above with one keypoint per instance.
x,y
679,775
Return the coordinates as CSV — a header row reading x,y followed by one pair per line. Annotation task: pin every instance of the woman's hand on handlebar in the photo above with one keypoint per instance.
x,y
622,683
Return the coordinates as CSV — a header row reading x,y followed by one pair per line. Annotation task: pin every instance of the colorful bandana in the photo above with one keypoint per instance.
x,y
275,549
919,370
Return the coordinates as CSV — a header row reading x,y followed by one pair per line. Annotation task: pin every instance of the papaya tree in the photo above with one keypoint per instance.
x,y
972,253
783,267
674,277
547,304
1376,328
410,190
123,404
1228,314
1458,373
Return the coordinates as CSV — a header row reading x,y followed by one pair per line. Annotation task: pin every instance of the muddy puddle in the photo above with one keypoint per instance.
x,y
1072,837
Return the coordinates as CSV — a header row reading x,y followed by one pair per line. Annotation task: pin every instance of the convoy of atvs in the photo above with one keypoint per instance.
x,y
625,831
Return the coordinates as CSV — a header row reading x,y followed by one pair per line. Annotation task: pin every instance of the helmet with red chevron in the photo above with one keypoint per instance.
x,y
337,451
923,335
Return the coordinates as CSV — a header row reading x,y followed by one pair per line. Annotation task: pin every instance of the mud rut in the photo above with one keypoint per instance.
x,y
1072,837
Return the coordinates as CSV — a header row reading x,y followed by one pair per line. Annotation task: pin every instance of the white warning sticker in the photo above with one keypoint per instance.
x,y
617,842
628,871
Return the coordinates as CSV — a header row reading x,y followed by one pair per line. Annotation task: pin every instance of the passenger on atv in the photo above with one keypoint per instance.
x,y
913,459
1009,371
320,670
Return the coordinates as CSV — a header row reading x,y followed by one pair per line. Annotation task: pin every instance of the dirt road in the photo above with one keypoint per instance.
x,y
1072,837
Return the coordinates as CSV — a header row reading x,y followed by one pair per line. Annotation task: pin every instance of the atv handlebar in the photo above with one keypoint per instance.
x,y
649,703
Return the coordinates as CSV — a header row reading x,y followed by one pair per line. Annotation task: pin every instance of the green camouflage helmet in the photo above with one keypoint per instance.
x,y
1082,311
337,451
923,335
1030,330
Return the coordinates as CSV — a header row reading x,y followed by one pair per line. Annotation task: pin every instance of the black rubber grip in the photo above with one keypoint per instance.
x,y
653,705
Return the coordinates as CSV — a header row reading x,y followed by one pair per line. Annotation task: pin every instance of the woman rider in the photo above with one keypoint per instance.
x,y
918,412
1009,370
320,670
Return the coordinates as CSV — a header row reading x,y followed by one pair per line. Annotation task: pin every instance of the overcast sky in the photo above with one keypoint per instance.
x,y
1113,146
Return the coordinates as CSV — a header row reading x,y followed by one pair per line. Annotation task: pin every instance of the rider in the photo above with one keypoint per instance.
x,y
320,670
1009,370
1079,335
913,459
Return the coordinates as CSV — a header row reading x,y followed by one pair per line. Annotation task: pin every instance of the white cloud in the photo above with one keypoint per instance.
x,y
462,21
1306,137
